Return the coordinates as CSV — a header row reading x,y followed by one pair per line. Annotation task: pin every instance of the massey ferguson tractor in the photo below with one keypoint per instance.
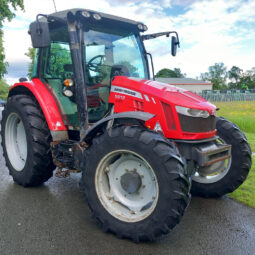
x,y
143,147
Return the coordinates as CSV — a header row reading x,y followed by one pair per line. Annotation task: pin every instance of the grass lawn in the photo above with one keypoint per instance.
x,y
243,115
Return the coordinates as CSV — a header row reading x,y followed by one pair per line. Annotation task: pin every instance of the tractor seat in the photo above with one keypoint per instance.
x,y
119,70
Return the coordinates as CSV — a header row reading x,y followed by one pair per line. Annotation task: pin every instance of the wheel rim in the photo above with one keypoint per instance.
x,y
16,141
223,169
126,185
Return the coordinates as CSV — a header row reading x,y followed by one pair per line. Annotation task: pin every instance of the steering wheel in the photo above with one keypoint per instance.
x,y
92,66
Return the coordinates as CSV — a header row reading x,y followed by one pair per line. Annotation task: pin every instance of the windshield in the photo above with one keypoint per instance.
x,y
106,50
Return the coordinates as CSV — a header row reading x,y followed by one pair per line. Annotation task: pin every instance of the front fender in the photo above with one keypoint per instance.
x,y
46,101
91,132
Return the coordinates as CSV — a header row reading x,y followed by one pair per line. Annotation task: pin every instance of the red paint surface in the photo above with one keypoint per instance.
x,y
151,95
159,92
47,103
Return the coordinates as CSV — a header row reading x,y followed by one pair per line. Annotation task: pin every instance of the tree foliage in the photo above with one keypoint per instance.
x,y
7,9
31,54
240,79
168,73
179,74
235,73
4,89
59,56
217,75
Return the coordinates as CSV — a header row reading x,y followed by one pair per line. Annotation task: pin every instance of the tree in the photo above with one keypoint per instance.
x,y
168,73
235,74
179,74
31,55
217,75
4,89
3,64
247,80
59,56
7,8
240,79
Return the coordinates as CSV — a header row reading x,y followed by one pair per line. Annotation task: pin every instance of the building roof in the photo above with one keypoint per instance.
x,y
183,81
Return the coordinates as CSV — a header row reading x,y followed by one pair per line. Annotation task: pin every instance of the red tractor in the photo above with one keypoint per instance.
x,y
92,108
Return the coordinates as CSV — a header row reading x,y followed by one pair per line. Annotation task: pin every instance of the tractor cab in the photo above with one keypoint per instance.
x,y
108,47
95,46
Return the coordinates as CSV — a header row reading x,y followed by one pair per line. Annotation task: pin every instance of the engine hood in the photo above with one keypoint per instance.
x,y
164,92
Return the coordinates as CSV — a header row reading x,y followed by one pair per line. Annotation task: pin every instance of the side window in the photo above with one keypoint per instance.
x,y
59,61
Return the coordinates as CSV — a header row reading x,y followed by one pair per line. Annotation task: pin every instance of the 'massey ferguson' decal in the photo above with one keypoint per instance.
x,y
125,91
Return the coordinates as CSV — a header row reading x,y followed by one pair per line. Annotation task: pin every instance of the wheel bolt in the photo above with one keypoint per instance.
x,y
106,170
143,186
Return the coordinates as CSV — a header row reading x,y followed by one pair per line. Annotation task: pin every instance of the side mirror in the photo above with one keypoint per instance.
x,y
174,46
40,34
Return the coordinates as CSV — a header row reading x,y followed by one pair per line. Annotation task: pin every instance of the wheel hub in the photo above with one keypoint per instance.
x,y
16,141
131,182
126,185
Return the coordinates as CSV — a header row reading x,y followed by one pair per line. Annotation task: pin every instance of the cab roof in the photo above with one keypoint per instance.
x,y
63,15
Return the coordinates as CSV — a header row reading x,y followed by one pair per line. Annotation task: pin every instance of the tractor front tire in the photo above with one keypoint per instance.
x,y
135,183
236,168
26,141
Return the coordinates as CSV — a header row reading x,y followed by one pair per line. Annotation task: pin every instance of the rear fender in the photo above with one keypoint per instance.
x,y
48,104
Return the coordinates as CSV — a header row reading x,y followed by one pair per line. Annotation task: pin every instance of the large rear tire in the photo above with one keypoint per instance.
x,y
235,170
26,141
135,183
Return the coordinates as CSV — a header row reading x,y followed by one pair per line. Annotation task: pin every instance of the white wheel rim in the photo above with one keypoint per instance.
x,y
109,179
217,175
16,141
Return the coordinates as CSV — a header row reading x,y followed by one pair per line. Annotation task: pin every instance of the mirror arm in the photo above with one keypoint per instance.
x,y
38,25
152,66
50,18
155,35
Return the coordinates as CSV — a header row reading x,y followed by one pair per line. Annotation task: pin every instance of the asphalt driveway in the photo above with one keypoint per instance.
x,y
53,219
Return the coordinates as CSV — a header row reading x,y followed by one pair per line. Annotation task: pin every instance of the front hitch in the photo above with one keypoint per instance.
x,y
203,152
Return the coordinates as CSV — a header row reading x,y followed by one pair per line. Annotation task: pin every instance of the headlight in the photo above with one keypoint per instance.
x,y
192,112
67,92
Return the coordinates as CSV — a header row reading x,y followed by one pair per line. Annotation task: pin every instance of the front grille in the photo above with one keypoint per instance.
x,y
196,124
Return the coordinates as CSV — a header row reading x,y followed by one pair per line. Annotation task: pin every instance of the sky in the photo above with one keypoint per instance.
x,y
210,31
